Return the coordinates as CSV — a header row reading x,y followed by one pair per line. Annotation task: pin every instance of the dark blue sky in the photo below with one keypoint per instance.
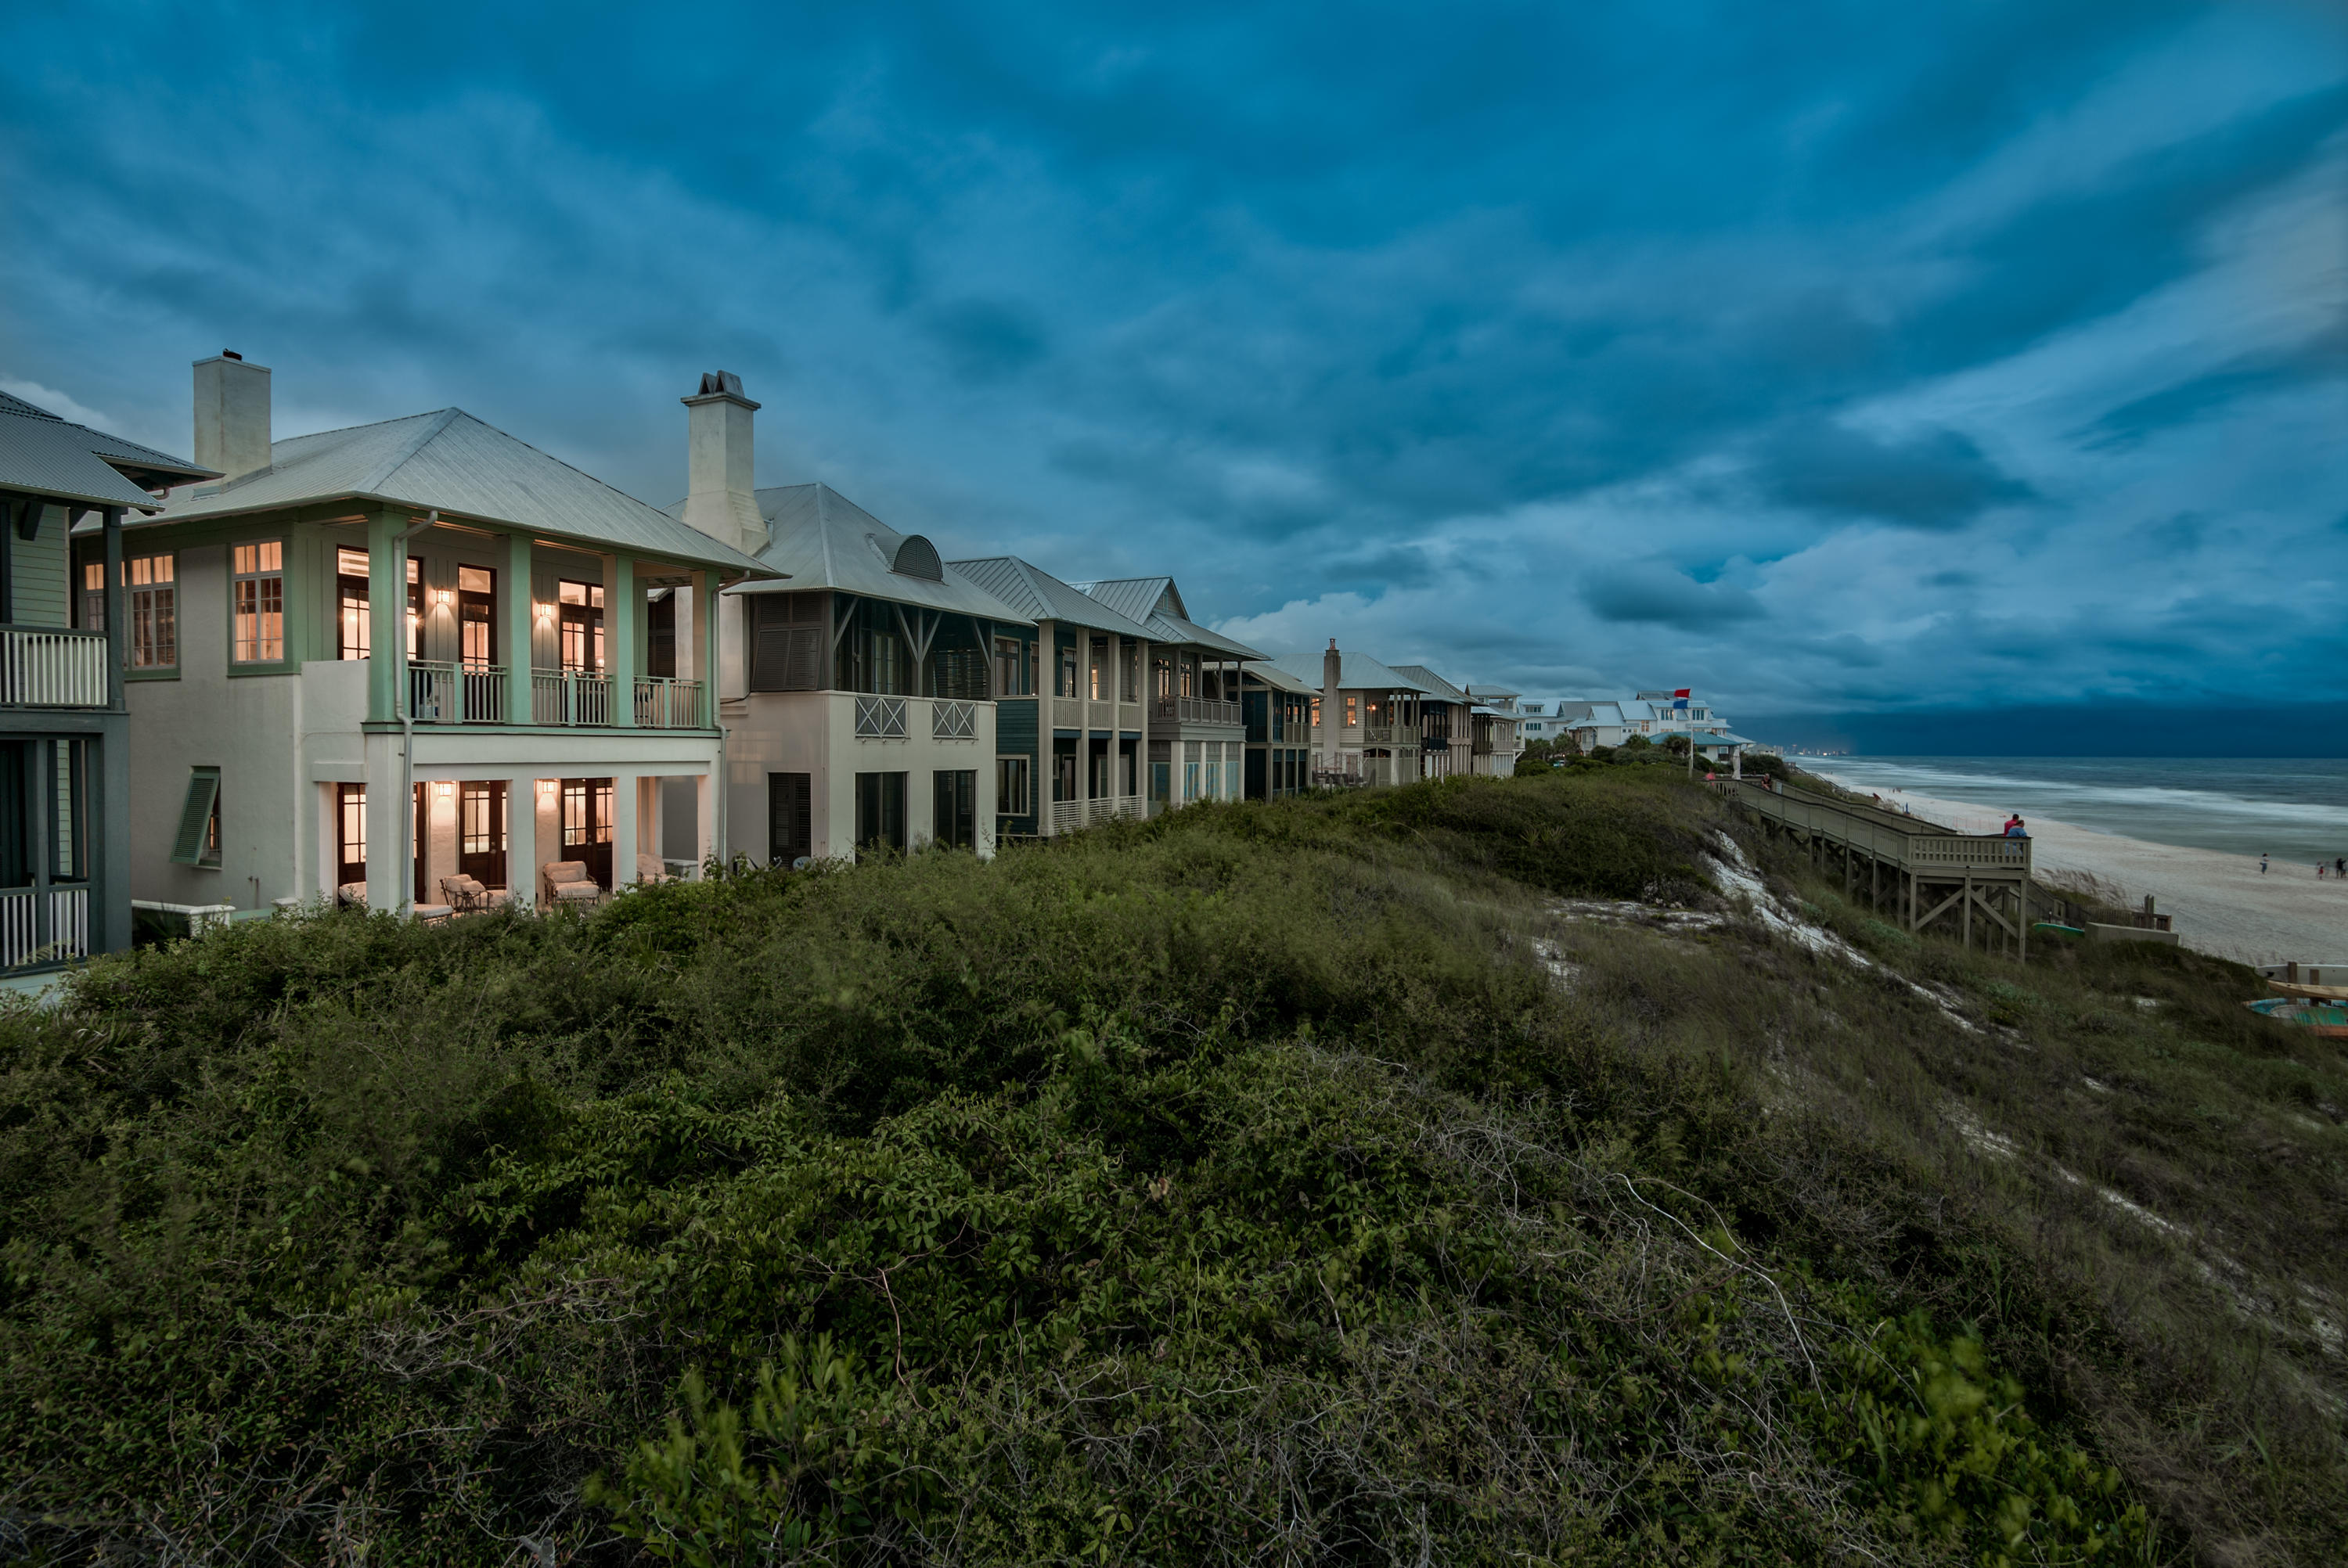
x,y
1839,358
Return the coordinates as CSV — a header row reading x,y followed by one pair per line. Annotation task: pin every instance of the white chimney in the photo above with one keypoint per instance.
x,y
1333,666
718,501
232,415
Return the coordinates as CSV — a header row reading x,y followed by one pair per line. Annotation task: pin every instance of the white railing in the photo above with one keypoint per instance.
x,y
567,697
880,718
952,721
1197,711
1129,806
52,668
1067,815
444,693
20,937
666,703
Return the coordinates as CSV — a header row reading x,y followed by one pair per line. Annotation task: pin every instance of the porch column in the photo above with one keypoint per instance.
x,y
627,800
387,639
705,626
390,820
704,817
521,630
652,803
625,613
522,840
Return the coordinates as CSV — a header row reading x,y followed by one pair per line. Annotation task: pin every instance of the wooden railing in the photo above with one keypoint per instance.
x,y
1890,837
664,702
443,694
569,697
52,668
1390,735
1196,711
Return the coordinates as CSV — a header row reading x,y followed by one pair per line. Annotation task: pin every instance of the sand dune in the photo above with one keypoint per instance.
x,y
2221,903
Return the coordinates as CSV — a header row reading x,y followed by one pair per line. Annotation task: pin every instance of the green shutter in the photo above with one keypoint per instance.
x,y
203,789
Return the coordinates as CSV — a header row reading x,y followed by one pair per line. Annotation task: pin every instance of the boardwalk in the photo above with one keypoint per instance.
x,y
1932,875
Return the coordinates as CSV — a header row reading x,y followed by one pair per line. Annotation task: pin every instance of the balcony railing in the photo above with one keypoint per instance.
x,y
1390,735
48,669
1068,713
22,941
442,693
954,721
664,702
1068,815
1196,711
880,718
569,697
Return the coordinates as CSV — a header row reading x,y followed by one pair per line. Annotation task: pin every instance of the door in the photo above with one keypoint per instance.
x,y
587,826
956,796
791,835
879,811
477,612
350,834
481,832
423,891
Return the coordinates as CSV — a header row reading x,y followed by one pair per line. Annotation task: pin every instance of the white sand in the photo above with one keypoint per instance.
x,y
2221,903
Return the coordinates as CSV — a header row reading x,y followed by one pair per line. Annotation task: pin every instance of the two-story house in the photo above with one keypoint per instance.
x,y
400,656
64,770
1446,731
1369,717
1072,738
1278,710
1197,737
1495,744
857,689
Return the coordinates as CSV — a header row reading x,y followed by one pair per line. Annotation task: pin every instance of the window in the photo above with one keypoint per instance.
x,y
1096,673
1352,712
954,793
477,609
350,834
351,601
259,602
1129,674
580,607
1162,671
879,811
93,596
1009,675
1013,780
790,837
1066,685
1316,713
150,605
197,842
788,633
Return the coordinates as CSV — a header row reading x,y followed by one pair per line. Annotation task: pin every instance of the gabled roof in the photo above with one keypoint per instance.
x,y
1040,596
1272,675
823,539
1431,683
1157,604
1355,672
466,468
46,456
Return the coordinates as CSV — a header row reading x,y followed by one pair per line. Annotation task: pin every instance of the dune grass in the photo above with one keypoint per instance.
x,y
1285,1183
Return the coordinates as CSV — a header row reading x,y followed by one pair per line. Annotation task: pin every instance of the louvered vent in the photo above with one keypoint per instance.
x,y
918,558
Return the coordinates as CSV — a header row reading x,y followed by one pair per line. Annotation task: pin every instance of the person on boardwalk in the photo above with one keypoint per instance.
x,y
2014,826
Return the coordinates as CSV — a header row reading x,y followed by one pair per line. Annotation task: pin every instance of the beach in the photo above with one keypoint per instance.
x,y
2221,903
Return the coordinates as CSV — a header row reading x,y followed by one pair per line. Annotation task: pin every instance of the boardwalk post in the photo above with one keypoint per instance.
x,y
1968,942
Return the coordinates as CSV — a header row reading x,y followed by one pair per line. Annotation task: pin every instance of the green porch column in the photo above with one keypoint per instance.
x,y
386,615
626,616
522,630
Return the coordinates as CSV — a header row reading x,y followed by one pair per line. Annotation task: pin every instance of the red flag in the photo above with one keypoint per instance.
x,y
1684,692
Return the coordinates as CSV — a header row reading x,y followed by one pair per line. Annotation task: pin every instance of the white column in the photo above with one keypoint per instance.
x,y
704,817
626,799
389,821
522,840
652,806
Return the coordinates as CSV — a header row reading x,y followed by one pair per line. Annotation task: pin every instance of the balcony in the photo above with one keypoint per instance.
x,y
567,697
954,721
880,718
664,702
1390,735
445,693
442,693
1194,711
26,939
1068,815
49,668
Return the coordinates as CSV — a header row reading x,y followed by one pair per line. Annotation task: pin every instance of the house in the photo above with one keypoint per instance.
x,y
1495,744
1281,712
1446,727
858,673
65,770
1085,764
1368,730
1198,738
404,655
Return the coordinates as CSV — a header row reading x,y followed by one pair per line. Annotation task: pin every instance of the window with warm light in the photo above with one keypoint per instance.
x,y
259,589
151,606
353,625
477,598
578,608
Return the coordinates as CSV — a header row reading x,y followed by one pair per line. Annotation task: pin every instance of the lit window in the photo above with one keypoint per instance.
x,y
351,603
151,606
259,590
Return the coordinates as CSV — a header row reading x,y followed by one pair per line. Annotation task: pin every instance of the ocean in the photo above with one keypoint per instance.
x,y
2295,809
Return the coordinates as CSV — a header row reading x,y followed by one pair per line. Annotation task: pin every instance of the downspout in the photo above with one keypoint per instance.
x,y
407,695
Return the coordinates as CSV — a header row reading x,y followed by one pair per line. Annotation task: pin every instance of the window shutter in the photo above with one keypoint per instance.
x,y
196,816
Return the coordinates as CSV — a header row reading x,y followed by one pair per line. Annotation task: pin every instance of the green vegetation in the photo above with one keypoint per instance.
x,y
1344,1179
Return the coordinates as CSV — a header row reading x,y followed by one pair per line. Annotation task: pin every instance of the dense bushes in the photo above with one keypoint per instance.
x,y
1235,1186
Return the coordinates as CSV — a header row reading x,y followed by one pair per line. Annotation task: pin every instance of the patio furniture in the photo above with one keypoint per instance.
x,y
649,868
351,895
466,895
433,914
569,883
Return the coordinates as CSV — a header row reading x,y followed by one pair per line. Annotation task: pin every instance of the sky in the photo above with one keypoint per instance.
x,y
1855,364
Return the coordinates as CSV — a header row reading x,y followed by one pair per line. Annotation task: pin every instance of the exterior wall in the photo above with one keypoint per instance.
x,y
1016,736
37,568
814,732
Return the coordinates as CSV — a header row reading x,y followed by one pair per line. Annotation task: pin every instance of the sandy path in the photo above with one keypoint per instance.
x,y
2221,903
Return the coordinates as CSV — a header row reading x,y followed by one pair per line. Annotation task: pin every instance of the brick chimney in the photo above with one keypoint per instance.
x,y
719,500
232,415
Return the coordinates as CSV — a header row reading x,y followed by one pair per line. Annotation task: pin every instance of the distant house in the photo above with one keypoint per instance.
x,y
69,614
1369,728
1071,741
1495,744
408,659
1198,735
1279,711
1446,727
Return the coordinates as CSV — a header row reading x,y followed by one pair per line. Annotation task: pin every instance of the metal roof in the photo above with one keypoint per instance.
x,y
823,539
1355,672
1040,596
465,468
1157,604
46,456
1433,685
1272,675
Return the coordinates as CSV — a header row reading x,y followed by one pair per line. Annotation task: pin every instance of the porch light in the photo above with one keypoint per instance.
x,y
445,788
545,611
443,597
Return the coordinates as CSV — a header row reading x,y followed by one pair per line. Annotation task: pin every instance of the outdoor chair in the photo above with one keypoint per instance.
x,y
433,914
351,895
649,868
570,882
466,895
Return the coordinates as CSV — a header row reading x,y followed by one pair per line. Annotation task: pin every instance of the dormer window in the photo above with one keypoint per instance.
x,y
916,557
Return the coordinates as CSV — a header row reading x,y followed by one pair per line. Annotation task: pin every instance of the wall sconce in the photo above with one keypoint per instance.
x,y
546,788
443,597
445,788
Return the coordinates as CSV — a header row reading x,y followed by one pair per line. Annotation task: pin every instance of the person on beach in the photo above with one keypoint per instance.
x,y
2262,865
2340,866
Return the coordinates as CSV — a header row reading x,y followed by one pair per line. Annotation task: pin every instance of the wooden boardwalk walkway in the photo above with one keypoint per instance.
x,y
1933,876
